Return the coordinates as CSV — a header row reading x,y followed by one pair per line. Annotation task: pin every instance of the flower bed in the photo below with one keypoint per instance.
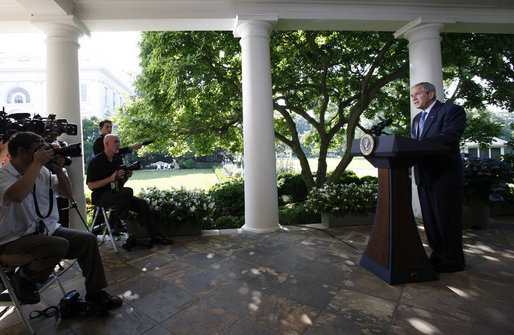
x,y
175,209
340,199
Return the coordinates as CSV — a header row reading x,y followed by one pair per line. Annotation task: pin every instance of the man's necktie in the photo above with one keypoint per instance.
x,y
422,122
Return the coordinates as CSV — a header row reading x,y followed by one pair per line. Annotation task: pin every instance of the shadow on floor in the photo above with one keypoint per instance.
x,y
297,280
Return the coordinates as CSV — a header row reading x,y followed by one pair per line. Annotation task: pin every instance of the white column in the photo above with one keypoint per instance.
x,y
425,57
63,100
261,200
425,65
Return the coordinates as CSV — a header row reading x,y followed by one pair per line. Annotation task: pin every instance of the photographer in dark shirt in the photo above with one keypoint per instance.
x,y
105,129
106,180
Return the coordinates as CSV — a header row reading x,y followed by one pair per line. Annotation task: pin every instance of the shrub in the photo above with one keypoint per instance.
x,y
297,214
291,187
189,163
228,198
487,178
349,177
368,180
179,205
227,222
347,198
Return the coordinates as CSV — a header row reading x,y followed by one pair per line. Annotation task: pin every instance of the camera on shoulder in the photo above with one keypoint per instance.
x,y
47,127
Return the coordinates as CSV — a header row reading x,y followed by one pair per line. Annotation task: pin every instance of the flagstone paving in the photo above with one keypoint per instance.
x,y
298,280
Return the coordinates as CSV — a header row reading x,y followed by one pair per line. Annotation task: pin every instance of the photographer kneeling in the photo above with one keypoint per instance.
x,y
106,179
30,236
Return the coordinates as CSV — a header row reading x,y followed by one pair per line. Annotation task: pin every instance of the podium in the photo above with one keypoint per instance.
x,y
394,251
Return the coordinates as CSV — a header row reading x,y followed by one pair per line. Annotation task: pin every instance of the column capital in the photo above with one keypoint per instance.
x,y
421,28
254,25
57,25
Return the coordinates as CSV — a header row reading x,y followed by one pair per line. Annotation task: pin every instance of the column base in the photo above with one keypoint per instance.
x,y
261,230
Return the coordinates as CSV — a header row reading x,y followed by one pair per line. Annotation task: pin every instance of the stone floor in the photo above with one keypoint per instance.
x,y
299,280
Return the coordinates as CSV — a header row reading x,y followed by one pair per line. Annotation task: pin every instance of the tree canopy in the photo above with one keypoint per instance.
x,y
90,132
189,91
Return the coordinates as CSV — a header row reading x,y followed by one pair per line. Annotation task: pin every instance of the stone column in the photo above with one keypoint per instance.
x,y
63,94
261,200
425,64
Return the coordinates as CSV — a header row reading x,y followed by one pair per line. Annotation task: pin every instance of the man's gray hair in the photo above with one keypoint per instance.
x,y
427,87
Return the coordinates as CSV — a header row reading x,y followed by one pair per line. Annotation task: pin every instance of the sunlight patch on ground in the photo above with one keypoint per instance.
x,y
256,301
306,320
423,326
459,292
128,295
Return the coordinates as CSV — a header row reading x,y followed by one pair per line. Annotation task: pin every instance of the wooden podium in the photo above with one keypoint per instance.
x,y
395,252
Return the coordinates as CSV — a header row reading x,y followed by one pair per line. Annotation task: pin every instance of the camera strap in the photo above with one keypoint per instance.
x,y
50,207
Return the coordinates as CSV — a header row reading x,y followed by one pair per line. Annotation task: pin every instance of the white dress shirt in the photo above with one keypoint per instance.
x,y
17,220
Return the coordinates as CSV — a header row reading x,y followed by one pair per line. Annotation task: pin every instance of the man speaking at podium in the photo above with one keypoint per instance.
x,y
440,179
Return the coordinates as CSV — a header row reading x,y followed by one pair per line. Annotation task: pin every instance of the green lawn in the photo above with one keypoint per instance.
x,y
359,165
165,179
205,178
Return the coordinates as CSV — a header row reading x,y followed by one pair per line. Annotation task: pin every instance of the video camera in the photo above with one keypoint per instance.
x,y
47,127
379,127
131,167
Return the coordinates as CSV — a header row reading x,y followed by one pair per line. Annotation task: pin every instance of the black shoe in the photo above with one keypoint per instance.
x,y
25,290
117,224
104,298
161,240
133,241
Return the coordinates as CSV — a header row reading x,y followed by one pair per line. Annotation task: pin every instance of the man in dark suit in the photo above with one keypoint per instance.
x,y
440,179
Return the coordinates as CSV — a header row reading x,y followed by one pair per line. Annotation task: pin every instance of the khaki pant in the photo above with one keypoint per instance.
x,y
38,255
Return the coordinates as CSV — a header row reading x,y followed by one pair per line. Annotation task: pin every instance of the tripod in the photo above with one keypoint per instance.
x,y
73,204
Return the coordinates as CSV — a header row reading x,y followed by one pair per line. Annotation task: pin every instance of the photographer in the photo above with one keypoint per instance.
x,y
30,236
106,179
105,129
4,153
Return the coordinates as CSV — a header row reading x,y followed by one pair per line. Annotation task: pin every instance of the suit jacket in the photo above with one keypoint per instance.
x,y
444,125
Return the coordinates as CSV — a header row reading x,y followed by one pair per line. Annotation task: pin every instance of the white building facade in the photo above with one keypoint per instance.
x,y
23,88
497,148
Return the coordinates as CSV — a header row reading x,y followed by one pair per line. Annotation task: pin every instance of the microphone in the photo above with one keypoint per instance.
x,y
377,129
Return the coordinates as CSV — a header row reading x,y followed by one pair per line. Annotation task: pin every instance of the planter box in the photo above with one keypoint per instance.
x,y
167,229
475,214
331,220
502,210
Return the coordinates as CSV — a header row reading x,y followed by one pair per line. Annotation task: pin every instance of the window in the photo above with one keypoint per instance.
x,y
18,95
19,99
473,152
484,153
83,92
496,153
113,99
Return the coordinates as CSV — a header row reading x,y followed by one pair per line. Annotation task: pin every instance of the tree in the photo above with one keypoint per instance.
x,y
190,88
90,132
478,70
481,128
